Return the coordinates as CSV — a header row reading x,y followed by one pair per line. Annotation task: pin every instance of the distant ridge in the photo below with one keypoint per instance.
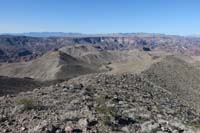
x,y
46,34
74,34
54,65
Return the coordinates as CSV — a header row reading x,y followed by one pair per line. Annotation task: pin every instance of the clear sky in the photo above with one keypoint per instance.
x,y
101,16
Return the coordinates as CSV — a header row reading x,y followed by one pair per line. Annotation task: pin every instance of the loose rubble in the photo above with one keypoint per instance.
x,y
98,103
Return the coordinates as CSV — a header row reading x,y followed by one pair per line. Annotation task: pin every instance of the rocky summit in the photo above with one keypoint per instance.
x,y
106,103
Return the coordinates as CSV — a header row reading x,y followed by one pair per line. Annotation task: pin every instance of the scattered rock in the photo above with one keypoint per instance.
x,y
108,106
18,109
149,127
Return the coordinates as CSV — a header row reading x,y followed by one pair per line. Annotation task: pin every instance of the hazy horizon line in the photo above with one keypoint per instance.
x,y
106,33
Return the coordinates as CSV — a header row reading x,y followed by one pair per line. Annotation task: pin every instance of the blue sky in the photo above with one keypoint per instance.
x,y
101,16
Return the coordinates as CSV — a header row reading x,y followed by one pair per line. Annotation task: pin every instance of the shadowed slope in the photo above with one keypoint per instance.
x,y
14,85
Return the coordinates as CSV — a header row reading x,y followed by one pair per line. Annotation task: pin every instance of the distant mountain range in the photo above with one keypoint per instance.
x,y
45,34
72,34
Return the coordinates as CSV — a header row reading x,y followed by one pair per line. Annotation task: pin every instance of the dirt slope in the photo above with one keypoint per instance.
x,y
52,66
91,55
79,50
178,77
116,61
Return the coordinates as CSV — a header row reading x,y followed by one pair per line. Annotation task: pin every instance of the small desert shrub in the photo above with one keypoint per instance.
x,y
195,125
28,103
106,110
108,114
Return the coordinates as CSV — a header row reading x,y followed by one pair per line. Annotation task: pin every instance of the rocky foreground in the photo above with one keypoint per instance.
x,y
98,103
